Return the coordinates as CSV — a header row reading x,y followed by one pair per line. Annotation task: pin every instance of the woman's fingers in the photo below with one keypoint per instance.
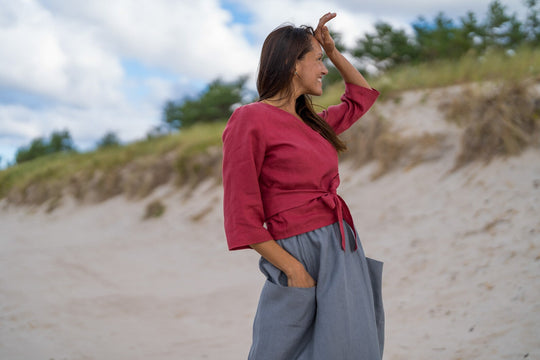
x,y
324,19
301,279
322,33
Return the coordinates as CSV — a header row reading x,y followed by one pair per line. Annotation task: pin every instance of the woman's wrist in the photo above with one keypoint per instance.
x,y
293,268
279,257
332,54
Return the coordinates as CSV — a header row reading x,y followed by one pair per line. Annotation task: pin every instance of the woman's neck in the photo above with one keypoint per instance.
x,y
287,104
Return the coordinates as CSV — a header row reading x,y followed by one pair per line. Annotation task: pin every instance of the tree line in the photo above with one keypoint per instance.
x,y
444,38
59,142
382,49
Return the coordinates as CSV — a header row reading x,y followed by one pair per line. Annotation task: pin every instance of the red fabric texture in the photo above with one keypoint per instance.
x,y
280,177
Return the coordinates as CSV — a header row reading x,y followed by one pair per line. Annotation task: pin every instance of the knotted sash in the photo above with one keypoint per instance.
x,y
273,204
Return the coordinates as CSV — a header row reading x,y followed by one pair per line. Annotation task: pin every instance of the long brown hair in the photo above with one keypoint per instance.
x,y
280,51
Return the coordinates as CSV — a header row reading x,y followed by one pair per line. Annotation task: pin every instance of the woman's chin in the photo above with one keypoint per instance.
x,y
318,92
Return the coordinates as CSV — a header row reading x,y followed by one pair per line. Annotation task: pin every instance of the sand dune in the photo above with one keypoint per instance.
x,y
461,278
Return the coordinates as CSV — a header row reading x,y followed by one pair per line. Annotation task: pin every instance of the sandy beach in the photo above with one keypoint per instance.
x,y
461,275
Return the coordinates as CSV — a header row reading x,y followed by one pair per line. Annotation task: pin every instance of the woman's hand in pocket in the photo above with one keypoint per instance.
x,y
299,277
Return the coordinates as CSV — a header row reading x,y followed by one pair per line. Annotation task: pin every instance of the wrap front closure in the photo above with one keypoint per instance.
x,y
329,197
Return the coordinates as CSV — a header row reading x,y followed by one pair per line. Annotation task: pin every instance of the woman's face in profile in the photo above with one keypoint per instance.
x,y
310,71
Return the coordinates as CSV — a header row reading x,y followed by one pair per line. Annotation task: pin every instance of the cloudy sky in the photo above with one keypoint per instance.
x,y
109,65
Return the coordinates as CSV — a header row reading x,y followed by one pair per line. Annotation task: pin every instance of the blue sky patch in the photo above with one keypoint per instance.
x,y
240,16
13,96
136,69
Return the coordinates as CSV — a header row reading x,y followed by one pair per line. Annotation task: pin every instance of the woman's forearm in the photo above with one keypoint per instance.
x,y
349,73
277,256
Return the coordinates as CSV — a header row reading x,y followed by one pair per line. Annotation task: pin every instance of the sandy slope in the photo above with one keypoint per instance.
x,y
461,253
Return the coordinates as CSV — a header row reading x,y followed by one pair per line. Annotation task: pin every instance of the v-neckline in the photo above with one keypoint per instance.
x,y
308,130
291,115
280,109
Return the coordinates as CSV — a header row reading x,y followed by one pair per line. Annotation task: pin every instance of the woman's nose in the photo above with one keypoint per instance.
x,y
324,69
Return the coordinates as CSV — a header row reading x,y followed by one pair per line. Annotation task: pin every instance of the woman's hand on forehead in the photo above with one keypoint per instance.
x,y
323,35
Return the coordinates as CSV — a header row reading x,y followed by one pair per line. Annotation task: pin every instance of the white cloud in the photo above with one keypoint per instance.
x,y
183,36
58,60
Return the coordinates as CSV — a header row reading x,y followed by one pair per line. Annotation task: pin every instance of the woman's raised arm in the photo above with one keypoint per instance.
x,y
349,73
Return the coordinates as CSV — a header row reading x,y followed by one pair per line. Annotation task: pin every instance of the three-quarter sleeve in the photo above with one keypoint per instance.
x,y
243,155
355,102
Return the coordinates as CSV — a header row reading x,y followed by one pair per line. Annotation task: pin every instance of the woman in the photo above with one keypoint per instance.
x,y
321,299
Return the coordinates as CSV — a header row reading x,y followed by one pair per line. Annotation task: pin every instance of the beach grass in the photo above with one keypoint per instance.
x,y
495,65
503,120
522,64
53,173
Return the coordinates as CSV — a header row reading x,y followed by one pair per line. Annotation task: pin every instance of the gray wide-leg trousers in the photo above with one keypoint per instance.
x,y
341,318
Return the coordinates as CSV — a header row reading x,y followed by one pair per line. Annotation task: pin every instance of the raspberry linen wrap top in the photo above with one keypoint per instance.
x,y
279,175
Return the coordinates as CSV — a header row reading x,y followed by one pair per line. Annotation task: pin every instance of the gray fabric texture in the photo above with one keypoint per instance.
x,y
341,318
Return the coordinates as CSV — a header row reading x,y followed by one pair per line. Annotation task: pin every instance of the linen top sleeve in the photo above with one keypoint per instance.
x,y
355,102
243,156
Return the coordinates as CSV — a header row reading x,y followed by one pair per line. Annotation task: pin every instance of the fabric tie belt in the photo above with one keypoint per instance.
x,y
335,202
329,197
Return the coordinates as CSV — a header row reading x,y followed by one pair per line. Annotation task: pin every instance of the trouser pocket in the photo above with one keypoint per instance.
x,y
283,324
